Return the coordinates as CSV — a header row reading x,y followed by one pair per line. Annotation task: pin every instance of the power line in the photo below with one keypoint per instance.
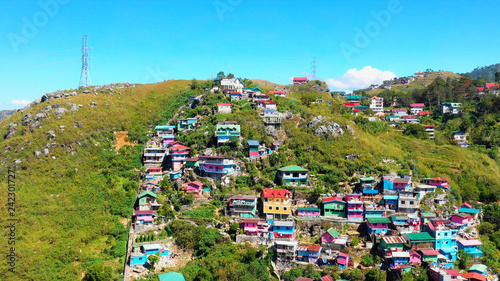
x,y
85,76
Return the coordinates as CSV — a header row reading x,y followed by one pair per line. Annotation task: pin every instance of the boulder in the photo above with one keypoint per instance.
x,y
60,111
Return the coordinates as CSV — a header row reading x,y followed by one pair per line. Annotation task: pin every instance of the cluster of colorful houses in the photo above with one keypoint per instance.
x,y
401,115
389,211
403,234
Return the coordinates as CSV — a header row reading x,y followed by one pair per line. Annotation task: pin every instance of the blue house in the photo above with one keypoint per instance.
x,y
400,259
187,123
391,202
388,184
446,237
471,247
309,254
171,276
138,258
152,249
283,229
141,253
368,186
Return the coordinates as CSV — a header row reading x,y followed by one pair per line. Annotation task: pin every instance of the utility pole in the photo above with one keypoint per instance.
x,y
85,76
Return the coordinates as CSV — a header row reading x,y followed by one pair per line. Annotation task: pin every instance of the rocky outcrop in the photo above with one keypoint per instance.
x,y
11,130
324,127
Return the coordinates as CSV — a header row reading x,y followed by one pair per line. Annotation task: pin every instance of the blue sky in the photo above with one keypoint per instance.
x,y
355,42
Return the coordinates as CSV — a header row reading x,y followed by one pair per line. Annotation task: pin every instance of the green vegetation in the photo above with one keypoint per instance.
x,y
486,72
71,208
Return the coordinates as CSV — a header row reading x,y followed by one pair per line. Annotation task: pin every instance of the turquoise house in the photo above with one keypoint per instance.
x,y
187,123
171,276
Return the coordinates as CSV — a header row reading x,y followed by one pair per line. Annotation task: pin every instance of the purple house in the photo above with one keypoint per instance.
x,y
145,216
378,226
343,260
465,219
308,212
415,257
328,238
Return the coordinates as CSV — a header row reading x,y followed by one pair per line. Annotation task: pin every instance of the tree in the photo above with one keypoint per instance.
x,y
354,241
497,76
367,260
221,75
99,272
375,274
230,76
416,130
153,259
463,259
194,84
353,274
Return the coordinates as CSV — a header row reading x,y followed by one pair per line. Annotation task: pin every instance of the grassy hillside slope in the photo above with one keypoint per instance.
x,y
70,203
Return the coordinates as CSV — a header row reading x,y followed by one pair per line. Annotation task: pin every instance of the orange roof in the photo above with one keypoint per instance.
x,y
473,276
275,193
314,248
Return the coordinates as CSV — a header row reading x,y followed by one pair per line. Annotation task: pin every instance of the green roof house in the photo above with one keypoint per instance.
x,y
292,175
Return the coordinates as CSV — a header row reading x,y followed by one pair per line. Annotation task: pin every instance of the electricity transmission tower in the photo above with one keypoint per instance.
x,y
314,68
85,76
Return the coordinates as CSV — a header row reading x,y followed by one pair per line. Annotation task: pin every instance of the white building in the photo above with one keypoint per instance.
x,y
233,84
224,107
377,104
415,108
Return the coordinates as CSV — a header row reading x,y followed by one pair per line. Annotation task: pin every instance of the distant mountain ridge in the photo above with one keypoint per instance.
x,y
6,113
484,72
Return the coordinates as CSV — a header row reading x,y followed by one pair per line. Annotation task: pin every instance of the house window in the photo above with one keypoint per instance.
x,y
412,202
277,208
402,202
270,208
285,208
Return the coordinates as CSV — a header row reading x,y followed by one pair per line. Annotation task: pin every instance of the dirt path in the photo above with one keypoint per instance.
x,y
121,140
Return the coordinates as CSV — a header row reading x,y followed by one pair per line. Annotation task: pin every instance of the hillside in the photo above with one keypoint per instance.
x,y
75,193
420,82
485,72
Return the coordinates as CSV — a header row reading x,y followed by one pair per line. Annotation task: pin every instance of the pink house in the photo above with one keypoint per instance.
x,y
328,238
401,183
464,219
440,182
355,206
343,260
155,170
255,227
194,187
145,216
415,258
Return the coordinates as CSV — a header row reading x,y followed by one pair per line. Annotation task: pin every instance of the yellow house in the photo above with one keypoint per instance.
x,y
277,203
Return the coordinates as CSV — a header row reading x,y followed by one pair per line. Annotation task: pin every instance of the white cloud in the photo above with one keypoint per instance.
x,y
359,79
22,102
